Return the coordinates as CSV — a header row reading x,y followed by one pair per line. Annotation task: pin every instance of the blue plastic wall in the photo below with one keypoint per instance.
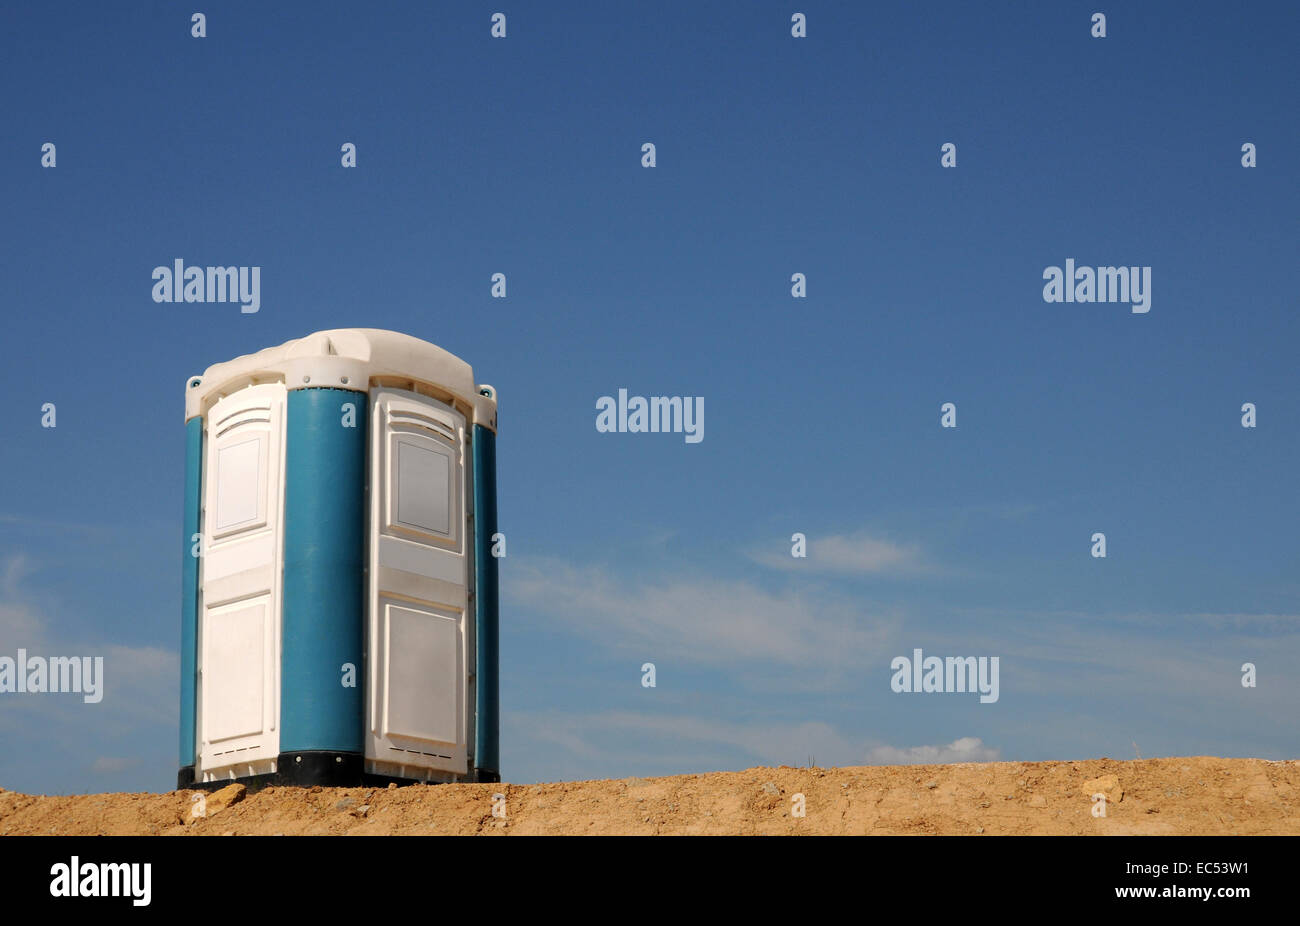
x,y
486,616
190,584
324,571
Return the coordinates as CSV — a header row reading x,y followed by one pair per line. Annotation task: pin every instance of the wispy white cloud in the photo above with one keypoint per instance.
x,y
18,624
622,742
138,708
111,765
699,619
965,749
15,569
1255,623
1173,676
859,553
610,742
46,525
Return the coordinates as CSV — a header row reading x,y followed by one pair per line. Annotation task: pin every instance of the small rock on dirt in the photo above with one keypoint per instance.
x,y
1108,785
218,801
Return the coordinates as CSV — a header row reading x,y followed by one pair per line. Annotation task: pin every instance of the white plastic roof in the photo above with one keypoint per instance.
x,y
343,358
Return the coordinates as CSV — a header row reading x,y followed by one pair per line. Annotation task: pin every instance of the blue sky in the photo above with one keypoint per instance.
x,y
775,155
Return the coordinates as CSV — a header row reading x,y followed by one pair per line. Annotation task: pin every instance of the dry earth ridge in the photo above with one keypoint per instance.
x,y
1178,796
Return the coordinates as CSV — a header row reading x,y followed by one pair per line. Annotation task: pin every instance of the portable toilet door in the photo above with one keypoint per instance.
x,y
418,702
239,676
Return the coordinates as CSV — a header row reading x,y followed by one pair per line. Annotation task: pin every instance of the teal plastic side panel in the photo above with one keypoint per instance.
x,y
486,616
324,592
190,585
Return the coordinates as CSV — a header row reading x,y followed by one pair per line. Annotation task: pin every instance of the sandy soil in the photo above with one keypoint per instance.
x,y
1199,795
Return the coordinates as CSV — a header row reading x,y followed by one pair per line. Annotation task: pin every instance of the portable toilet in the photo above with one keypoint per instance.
x,y
339,624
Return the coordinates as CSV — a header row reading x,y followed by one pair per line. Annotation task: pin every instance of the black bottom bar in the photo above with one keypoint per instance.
x,y
327,769
293,770
1008,874
312,769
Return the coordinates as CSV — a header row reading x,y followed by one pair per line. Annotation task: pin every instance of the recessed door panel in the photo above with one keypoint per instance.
x,y
241,481
422,487
422,657
235,651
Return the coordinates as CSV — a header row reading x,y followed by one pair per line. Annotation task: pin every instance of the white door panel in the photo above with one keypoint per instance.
x,y
236,638
241,564
417,705
422,659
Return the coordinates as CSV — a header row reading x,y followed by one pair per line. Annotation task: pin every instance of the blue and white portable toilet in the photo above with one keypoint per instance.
x,y
340,589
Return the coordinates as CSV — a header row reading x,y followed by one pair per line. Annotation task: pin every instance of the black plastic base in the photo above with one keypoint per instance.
x,y
327,769
293,770
313,769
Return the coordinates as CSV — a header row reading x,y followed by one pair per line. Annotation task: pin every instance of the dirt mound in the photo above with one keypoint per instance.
x,y
1153,796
